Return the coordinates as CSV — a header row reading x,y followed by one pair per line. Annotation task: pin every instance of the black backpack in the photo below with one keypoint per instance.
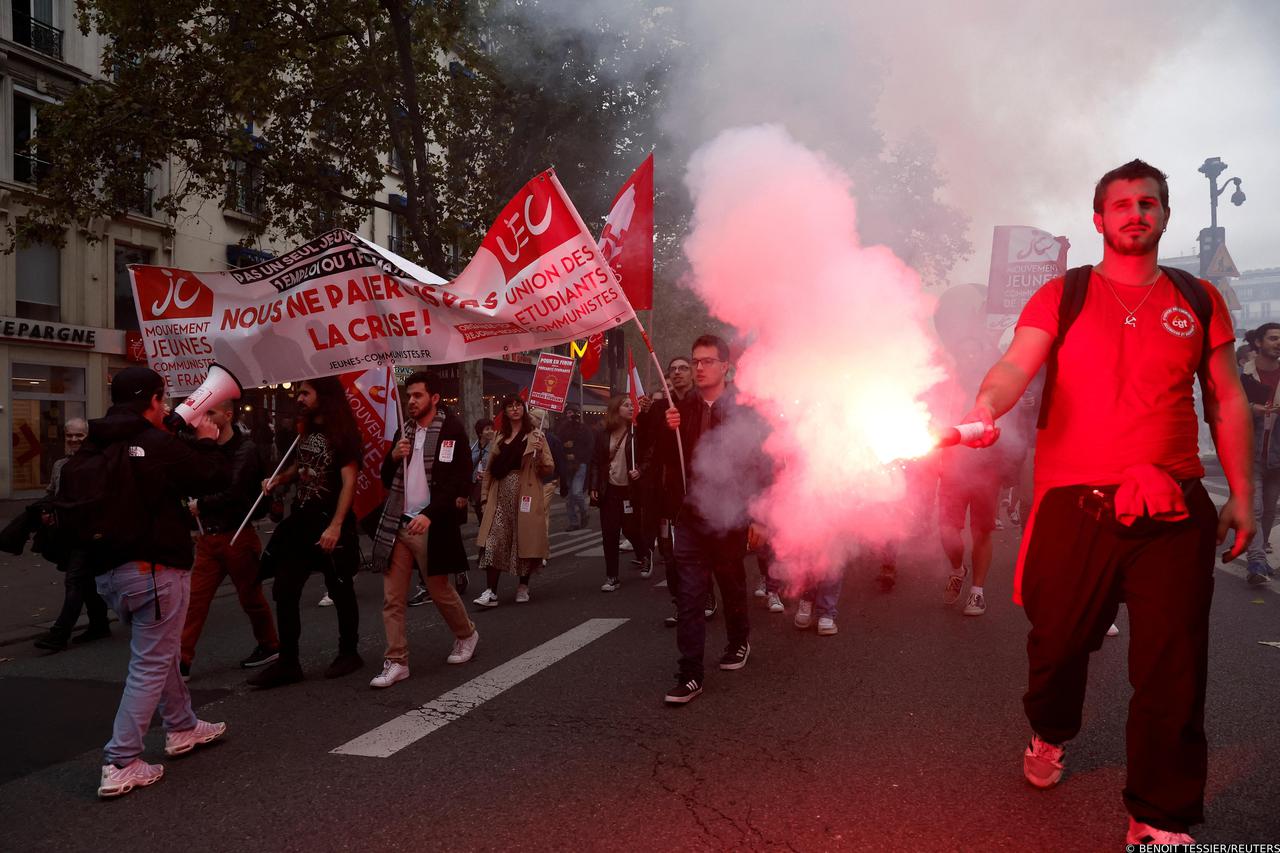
x,y
99,508
1075,287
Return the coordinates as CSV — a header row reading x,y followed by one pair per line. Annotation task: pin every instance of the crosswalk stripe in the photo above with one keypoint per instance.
x,y
388,739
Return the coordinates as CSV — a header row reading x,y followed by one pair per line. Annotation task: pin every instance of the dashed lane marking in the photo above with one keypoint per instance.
x,y
390,738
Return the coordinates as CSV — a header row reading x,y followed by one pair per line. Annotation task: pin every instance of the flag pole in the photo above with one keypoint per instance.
x,y
671,402
262,495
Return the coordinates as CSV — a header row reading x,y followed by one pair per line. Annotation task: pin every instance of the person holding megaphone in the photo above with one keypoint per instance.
x,y
124,496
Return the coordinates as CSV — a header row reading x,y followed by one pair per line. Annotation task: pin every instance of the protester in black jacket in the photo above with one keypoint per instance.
x,y
219,515
150,582
725,467
618,469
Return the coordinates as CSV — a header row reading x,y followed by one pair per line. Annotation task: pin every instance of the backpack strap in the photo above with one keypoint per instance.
x,y
1075,287
1202,305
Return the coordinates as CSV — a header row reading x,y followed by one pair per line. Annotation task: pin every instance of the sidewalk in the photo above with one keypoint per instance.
x,y
31,589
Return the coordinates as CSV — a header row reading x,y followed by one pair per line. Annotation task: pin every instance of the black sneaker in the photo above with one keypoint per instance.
x,y
686,690
54,641
710,610
278,674
93,632
344,665
260,657
185,669
460,582
735,658
420,597
671,621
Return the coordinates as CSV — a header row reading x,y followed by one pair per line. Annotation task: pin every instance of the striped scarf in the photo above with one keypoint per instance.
x,y
389,525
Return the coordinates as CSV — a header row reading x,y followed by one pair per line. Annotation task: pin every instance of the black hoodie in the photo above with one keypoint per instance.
x,y
167,470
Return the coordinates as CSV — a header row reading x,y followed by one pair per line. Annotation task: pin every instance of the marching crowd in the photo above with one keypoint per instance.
x,y
1113,508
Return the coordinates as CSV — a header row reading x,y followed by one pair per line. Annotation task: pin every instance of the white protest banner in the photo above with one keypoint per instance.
x,y
341,303
1022,260
551,378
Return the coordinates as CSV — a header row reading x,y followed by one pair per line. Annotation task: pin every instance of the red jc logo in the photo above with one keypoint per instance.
x,y
165,294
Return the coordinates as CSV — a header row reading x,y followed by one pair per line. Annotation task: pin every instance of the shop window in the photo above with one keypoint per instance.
x,y
126,313
44,398
39,286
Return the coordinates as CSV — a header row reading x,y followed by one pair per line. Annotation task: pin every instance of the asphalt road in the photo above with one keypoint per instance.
x,y
903,732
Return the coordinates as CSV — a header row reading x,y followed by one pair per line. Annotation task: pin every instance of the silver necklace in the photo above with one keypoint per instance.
x,y
1130,320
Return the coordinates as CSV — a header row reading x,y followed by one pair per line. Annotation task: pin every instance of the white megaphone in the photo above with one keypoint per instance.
x,y
219,386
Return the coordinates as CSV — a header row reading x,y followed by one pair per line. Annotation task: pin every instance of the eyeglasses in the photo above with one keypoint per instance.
x,y
679,368
706,362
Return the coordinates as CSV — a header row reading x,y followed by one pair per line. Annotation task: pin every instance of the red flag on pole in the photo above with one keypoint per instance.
x,y
627,239
590,362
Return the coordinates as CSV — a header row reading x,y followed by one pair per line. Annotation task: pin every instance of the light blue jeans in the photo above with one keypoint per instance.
x,y
154,680
825,594
577,502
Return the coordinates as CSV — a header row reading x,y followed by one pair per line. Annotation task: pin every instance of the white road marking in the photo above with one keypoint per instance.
x,y
390,738
660,585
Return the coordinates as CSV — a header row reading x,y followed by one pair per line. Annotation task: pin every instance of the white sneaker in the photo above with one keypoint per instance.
x,y
1142,834
827,626
624,545
326,601
775,603
522,594
804,614
1113,631
118,781
391,673
488,598
180,743
463,649
611,585
761,591
976,605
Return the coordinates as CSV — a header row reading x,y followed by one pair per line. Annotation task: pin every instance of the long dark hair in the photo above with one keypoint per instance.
x,y
526,423
332,416
612,414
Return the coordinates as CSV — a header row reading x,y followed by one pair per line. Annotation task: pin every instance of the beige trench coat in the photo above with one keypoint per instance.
x,y
531,533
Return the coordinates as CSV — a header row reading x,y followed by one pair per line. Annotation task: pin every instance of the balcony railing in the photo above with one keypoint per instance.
x,y
28,169
36,34
400,245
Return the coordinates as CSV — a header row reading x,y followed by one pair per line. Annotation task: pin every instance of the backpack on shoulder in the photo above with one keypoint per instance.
x,y
1075,287
99,507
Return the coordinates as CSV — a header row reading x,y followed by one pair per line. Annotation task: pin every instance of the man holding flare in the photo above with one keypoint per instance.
x,y
1120,512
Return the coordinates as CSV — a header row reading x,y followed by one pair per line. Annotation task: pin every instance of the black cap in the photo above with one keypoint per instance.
x,y
136,383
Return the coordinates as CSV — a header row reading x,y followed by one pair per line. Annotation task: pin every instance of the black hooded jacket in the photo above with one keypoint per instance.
x,y
166,471
222,511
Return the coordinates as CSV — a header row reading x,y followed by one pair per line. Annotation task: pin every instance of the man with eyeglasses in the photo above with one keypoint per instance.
x,y
664,509
707,419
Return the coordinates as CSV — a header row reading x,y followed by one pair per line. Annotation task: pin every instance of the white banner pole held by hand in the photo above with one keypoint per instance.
x,y
262,495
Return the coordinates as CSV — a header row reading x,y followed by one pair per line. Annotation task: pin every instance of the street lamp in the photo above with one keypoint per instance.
x,y
1211,169
1213,237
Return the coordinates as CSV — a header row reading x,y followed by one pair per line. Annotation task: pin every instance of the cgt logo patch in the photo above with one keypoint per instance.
x,y
1178,322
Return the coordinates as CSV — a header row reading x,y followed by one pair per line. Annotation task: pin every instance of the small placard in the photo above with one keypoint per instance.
x,y
526,504
626,507
446,450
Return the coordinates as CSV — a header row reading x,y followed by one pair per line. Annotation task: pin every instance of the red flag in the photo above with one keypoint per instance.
x,y
373,397
634,387
590,362
627,239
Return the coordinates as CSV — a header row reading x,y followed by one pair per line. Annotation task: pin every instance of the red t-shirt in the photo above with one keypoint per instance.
x,y
1123,394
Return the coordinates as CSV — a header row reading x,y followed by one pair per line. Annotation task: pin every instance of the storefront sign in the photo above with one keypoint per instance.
x,y
61,334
